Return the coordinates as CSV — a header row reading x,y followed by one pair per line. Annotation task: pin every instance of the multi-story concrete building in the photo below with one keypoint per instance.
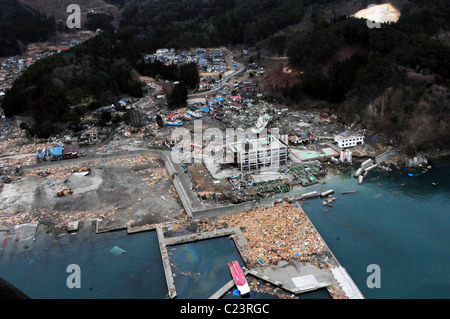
x,y
257,153
348,139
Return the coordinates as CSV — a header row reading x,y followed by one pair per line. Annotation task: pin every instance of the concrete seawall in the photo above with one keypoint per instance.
x,y
381,158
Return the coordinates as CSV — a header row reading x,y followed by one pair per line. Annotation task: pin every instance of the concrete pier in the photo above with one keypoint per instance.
x,y
222,291
294,279
347,284
138,229
164,242
166,264
200,236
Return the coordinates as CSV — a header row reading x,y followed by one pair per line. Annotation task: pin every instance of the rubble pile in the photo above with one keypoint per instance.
x,y
60,172
53,218
336,292
12,163
257,286
136,160
23,146
282,232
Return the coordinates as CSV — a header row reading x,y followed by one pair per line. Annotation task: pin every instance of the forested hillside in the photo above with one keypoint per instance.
x,y
394,79
185,24
20,25
101,69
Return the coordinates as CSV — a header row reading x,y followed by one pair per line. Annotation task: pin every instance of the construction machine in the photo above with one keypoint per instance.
x,y
65,192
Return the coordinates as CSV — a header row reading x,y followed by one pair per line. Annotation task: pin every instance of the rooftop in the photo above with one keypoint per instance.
x,y
257,145
348,134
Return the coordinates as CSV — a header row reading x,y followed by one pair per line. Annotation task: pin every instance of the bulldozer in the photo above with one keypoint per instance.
x,y
65,192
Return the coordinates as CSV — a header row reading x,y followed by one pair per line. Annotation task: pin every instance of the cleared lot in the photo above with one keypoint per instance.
x,y
135,189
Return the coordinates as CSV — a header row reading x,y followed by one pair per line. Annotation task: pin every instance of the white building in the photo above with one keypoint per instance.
x,y
161,52
348,139
254,154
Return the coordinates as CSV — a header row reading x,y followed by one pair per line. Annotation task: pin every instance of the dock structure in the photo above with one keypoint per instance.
x,y
166,264
294,279
223,290
164,242
200,236
347,284
138,229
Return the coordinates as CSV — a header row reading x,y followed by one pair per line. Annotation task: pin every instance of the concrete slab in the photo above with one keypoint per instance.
x,y
172,293
296,278
308,281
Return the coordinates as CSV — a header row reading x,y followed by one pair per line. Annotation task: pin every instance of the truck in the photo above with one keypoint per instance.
x,y
57,152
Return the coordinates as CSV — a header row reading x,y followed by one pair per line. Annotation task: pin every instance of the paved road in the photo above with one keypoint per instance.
x,y
92,158
224,81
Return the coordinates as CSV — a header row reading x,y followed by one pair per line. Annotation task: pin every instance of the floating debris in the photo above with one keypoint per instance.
x,y
117,251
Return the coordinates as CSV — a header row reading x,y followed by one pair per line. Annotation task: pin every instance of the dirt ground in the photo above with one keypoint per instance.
x,y
136,190
204,181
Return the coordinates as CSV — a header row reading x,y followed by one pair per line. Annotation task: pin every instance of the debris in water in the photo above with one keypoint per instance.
x,y
117,251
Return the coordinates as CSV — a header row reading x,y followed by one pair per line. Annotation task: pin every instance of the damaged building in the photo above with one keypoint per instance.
x,y
257,153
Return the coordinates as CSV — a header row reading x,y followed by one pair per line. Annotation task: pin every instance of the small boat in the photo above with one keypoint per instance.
x,y
194,114
239,277
174,123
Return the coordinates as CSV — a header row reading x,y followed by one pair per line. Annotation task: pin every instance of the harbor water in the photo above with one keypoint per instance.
x,y
397,220
134,273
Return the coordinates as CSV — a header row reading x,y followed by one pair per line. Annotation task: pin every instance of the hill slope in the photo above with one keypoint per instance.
x,y
20,25
393,80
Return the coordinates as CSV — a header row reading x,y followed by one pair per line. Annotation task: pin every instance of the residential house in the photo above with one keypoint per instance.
x,y
203,86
